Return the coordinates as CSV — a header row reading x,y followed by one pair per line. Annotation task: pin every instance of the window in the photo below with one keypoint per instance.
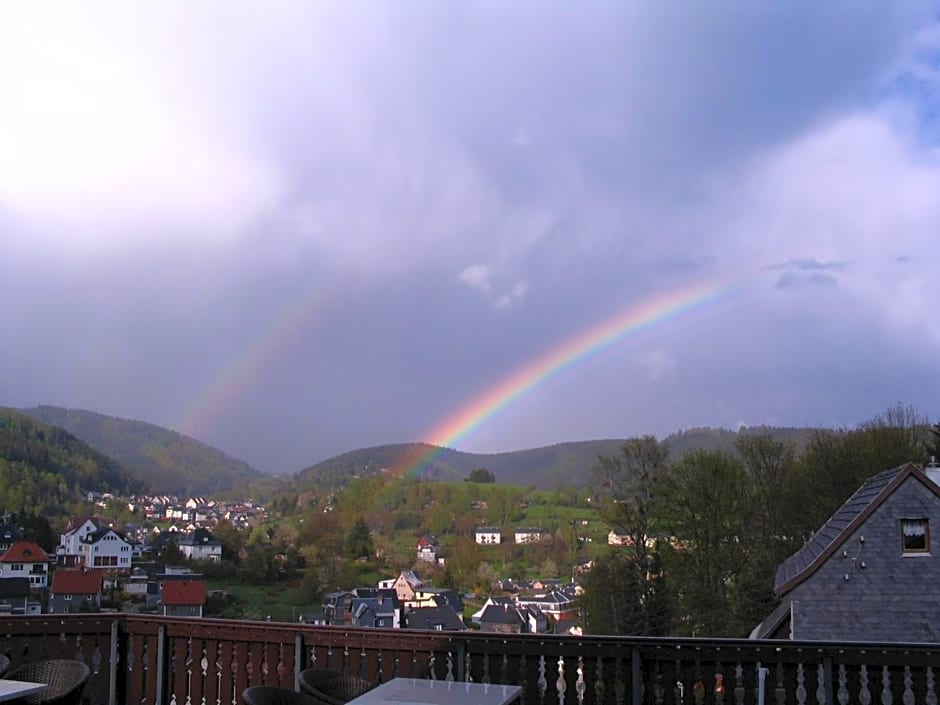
x,y
915,536
16,566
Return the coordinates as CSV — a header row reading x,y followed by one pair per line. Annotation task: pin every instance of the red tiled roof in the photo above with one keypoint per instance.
x,y
76,582
184,592
24,552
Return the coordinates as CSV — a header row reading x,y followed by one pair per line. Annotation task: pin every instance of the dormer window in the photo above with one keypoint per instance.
x,y
915,536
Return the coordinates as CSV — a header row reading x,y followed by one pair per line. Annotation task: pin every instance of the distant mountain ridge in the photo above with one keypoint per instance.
x,y
166,461
45,469
547,467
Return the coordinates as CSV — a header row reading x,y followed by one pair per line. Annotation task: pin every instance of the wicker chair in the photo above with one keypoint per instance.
x,y
333,687
65,678
4,664
269,695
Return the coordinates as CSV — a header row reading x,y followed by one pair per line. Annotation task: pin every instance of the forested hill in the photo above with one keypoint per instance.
x,y
544,468
165,460
44,469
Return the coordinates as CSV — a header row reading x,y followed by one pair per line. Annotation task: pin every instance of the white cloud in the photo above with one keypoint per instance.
x,y
476,276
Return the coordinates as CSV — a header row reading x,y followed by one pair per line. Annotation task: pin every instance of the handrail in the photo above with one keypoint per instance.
x,y
150,660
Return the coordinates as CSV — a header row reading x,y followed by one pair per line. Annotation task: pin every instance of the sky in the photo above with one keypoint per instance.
x,y
294,229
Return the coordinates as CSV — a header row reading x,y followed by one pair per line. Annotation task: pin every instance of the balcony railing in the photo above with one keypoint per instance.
x,y
146,660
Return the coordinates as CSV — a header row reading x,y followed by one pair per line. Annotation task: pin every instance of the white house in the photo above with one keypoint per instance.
x,y
488,535
69,550
106,549
25,559
201,545
525,534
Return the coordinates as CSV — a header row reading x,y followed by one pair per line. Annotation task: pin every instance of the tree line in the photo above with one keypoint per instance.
x,y
703,536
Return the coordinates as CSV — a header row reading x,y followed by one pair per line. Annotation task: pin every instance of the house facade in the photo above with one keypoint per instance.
x,y
488,535
427,549
528,534
201,545
75,590
25,559
106,549
69,550
872,572
406,584
14,595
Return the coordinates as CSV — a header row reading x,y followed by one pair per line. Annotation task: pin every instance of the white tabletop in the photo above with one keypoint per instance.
x,y
9,690
413,691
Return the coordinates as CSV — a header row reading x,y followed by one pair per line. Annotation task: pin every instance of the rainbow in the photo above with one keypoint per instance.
x,y
238,373
583,346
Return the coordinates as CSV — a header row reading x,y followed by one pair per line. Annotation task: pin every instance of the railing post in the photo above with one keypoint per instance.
x,y
299,664
112,665
636,677
461,650
161,665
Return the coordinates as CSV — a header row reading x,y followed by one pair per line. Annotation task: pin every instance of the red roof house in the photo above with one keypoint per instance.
x,y
25,559
183,598
75,590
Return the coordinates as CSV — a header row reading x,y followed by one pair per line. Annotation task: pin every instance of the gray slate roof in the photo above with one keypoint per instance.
x,y
868,495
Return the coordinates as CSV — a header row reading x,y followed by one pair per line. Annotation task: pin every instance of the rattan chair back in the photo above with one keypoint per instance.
x,y
270,695
65,678
333,687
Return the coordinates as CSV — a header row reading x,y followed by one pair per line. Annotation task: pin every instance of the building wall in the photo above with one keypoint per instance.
x,y
895,597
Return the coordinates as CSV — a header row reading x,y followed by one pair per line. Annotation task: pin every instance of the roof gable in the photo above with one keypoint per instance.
x,y
76,582
24,552
184,592
844,522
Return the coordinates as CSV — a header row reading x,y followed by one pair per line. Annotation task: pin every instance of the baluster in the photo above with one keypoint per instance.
x,y
738,684
659,693
780,692
189,671
930,698
864,694
843,694
432,659
204,670
821,685
449,676
679,691
800,685
172,669
560,685
345,668
542,681
698,692
579,685
908,697
886,697
233,679
599,685
504,669
719,689
362,663
485,678
218,674
467,664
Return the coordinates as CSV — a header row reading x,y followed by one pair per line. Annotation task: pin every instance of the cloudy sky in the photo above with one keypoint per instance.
x,y
295,229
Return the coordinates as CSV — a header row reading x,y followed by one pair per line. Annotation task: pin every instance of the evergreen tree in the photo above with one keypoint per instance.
x,y
359,541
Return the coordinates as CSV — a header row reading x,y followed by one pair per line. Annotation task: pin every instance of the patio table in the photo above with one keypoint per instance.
x,y
415,691
11,690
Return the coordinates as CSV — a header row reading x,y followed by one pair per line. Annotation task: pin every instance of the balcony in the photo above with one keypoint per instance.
x,y
148,660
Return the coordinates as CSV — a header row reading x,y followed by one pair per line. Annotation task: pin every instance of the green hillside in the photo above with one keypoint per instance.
x,y
166,461
45,470
545,468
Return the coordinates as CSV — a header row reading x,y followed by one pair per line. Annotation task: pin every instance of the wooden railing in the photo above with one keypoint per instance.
x,y
137,660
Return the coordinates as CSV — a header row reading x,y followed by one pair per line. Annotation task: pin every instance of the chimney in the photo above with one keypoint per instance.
x,y
932,470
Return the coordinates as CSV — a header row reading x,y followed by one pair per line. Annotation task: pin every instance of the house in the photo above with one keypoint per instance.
x,y
8,534
25,559
106,549
487,535
14,595
554,604
376,608
337,607
75,590
510,618
427,549
872,572
201,545
528,534
406,584
69,550
183,598
436,618
436,597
